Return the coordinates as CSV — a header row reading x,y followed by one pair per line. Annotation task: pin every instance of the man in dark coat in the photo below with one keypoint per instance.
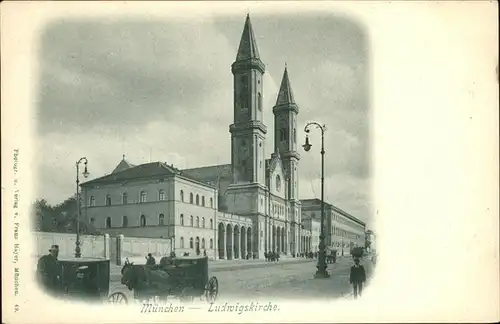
x,y
49,270
150,260
357,277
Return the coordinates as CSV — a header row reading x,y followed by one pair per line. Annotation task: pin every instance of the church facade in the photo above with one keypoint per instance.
x,y
236,210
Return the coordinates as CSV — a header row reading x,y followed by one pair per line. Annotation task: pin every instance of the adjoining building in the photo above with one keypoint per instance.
x,y
311,229
342,230
248,206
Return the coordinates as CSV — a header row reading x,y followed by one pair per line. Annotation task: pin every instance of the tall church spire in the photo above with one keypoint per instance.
x,y
248,131
285,138
285,95
248,45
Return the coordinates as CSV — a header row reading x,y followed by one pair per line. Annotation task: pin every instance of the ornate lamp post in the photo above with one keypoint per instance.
x,y
321,266
85,173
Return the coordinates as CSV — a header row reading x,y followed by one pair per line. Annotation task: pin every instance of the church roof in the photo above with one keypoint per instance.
x,y
147,170
248,45
123,165
209,173
285,95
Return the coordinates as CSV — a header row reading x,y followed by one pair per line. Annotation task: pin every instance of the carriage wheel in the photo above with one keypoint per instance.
x,y
117,298
212,290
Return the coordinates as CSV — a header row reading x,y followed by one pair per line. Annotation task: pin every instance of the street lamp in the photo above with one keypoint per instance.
x,y
321,266
85,173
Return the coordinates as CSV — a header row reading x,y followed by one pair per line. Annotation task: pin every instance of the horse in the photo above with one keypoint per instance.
x,y
146,281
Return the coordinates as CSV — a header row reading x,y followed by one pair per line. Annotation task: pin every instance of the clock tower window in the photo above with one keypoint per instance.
x,y
283,134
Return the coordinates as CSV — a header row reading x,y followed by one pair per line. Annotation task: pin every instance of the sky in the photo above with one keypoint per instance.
x,y
161,90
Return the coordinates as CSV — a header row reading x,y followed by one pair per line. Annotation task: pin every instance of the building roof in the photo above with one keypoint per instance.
x,y
285,95
209,174
123,165
316,201
147,170
248,45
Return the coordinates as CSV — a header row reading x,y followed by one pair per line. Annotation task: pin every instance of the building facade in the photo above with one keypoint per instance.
x,y
311,231
342,230
235,210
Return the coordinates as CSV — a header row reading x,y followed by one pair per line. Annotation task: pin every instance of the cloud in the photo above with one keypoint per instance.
x,y
163,90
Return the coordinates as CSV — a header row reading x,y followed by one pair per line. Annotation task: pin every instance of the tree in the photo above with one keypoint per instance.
x,y
42,215
59,218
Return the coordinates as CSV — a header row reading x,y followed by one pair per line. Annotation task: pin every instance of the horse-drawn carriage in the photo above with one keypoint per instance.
x,y
87,279
183,277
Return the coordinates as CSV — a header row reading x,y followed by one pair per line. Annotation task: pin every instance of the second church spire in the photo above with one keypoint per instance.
x,y
285,95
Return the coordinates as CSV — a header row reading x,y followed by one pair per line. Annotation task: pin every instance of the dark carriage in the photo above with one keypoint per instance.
x,y
185,277
87,279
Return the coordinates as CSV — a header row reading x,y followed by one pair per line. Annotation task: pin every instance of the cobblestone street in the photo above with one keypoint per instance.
x,y
275,282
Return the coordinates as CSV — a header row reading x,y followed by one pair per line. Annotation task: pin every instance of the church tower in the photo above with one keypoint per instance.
x,y
246,194
285,141
248,130
285,137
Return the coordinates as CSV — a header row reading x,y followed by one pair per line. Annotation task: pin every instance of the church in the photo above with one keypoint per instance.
x,y
236,210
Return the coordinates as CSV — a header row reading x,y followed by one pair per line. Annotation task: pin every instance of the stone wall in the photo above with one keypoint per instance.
x,y
102,246
92,246
136,248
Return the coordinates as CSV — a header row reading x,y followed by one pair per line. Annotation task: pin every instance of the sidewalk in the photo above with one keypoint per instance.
x,y
337,286
222,265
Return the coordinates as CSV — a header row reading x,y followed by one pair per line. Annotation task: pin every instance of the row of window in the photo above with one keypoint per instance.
x,y
124,198
161,197
191,221
341,220
192,244
196,200
161,221
340,232
346,221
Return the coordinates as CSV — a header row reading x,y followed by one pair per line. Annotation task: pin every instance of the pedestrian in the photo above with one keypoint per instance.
x,y
49,270
357,277
150,260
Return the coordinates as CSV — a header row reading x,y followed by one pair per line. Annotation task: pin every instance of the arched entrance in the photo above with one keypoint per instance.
x,y
273,245
283,240
221,239
249,240
236,241
229,242
197,245
243,242
278,240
